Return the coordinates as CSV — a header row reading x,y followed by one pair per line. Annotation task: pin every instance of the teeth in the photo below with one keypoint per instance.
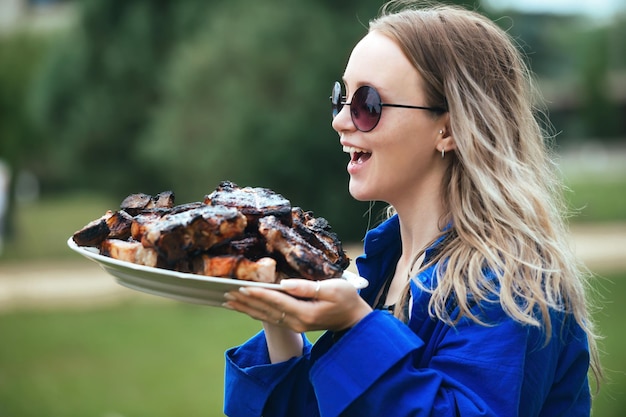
x,y
353,150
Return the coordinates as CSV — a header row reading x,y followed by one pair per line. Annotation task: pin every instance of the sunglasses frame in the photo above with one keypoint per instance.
x,y
338,101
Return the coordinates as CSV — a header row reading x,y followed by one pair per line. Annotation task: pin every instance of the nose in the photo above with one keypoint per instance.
x,y
343,121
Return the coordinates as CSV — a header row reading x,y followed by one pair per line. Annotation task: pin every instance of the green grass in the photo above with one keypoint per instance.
x,y
597,200
41,228
167,358
137,359
611,293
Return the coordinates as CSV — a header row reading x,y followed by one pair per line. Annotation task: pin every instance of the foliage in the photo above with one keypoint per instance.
x,y
601,117
254,110
94,95
20,55
575,60
136,103
144,96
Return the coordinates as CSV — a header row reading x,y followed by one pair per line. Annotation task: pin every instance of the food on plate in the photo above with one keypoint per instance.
x,y
245,233
237,266
192,231
301,257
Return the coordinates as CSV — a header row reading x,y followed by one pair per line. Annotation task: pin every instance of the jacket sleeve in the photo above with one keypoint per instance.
x,y
250,379
381,367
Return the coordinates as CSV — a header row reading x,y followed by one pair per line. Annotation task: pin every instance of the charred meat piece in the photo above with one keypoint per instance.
x,y
180,208
163,200
119,224
309,262
250,246
244,233
145,220
254,203
111,225
174,236
136,203
94,232
129,251
235,266
317,232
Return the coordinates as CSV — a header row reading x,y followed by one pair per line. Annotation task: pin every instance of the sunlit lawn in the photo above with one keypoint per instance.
x,y
598,200
42,228
136,359
166,359
611,401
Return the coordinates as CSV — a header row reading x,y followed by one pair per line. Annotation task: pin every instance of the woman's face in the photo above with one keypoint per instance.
x,y
398,159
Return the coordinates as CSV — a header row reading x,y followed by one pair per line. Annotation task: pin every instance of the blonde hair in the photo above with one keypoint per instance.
x,y
502,192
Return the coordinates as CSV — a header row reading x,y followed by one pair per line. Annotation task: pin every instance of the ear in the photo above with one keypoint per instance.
x,y
445,140
446,143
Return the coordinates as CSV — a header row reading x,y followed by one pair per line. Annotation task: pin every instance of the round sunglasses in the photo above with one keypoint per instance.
x,y
366,106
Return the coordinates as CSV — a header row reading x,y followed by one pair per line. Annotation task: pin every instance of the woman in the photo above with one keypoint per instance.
x,y
476,305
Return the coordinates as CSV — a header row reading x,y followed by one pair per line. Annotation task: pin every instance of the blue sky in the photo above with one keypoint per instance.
x,y
593,8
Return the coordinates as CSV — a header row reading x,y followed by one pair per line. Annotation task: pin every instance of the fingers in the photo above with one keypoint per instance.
x,y
302,288
316,290
258,308
302,305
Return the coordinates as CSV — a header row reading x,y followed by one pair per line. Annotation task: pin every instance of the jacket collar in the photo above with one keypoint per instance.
x,y
382,248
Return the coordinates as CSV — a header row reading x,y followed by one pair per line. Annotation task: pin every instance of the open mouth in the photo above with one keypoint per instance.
x,y
357,155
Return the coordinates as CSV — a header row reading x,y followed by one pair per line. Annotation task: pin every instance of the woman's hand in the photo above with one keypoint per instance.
x,y
303,305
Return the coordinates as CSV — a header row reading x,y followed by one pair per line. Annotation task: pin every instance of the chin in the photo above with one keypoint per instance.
x,y
360,193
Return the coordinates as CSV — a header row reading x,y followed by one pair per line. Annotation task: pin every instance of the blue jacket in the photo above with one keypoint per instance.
x,y
383,367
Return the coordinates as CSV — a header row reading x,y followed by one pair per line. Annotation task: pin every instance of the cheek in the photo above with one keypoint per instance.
x,y
408,155
406,146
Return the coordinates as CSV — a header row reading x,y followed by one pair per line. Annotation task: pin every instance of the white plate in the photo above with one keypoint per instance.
x,y
191,288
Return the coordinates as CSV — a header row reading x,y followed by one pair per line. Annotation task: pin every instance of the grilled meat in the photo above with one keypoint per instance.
x,y
111,225
310,262
250,245
94,232
119,224
129,251
136,203
236,266
317,232
142,222
174,236
254,203
245,233
147,218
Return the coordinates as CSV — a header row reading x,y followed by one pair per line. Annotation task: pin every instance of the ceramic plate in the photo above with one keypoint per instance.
x,y
191,288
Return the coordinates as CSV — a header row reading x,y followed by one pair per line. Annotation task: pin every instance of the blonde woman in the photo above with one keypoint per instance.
x,y
476,305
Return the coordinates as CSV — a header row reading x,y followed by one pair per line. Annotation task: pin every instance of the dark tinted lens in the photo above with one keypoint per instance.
x,y
335,99
365,108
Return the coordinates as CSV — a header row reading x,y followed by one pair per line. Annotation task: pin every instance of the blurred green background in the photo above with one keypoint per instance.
x,y
100,99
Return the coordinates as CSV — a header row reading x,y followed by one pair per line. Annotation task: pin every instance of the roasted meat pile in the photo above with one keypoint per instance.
x,y
246,233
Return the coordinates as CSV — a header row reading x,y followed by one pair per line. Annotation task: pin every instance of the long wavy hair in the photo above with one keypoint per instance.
x,y
502,192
